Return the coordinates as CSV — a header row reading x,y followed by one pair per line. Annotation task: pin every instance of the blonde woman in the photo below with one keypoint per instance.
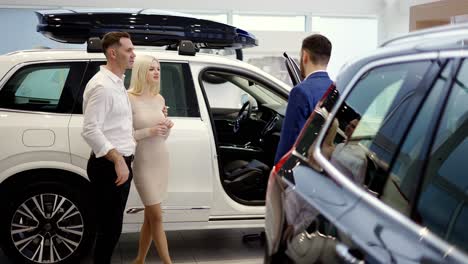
x,y
151,164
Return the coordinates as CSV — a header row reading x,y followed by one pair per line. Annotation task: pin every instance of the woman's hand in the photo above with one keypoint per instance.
x,y
168,123
160,129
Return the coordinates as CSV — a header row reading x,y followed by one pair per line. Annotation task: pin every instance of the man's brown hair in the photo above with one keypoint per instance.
x,y
318,47
112,38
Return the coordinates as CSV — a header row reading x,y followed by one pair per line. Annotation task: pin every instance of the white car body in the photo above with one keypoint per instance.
x,y
196,198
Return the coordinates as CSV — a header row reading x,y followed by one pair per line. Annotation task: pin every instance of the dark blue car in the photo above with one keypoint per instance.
x,y
379,172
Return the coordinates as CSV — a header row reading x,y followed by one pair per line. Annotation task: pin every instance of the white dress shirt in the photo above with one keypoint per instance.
x,y
107,115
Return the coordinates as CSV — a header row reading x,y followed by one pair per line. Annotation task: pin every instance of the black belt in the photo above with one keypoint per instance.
x,y
129,158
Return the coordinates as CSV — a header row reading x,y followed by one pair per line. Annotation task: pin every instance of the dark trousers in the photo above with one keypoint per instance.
x,y
110,201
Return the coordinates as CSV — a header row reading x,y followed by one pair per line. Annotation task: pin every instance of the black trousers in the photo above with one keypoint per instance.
x,y
110,201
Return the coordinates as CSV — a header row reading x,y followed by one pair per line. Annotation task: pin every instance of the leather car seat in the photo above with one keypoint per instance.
x,y
246,180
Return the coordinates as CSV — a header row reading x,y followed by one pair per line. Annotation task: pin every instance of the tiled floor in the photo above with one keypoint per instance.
x,y
206,246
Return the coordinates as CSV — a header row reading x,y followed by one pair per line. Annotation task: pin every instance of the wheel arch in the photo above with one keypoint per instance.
x,y
10,183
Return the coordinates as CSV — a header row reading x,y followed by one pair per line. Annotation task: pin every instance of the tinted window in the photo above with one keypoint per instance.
x,y
400,187
178,90
44,87
371,119
443,200
176,87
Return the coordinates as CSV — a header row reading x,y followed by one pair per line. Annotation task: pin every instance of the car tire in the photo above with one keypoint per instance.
x,y
47,222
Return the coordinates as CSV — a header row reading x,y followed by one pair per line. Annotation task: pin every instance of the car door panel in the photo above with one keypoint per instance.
x,y
371,227
189,187
35,111
348,169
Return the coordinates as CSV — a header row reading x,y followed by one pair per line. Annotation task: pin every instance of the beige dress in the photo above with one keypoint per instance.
x,y
151,164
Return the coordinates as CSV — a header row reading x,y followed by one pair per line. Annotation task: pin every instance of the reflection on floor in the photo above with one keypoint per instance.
x,y
205,246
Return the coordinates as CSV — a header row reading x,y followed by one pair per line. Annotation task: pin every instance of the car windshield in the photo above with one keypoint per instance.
x,y
257,90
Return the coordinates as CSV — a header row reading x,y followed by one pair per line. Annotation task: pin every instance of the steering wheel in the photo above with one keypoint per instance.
x,y
243,114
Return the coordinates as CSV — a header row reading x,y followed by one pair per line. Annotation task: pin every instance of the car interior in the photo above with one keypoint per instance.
x,y
247,127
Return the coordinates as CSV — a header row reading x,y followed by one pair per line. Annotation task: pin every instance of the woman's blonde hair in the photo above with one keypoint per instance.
x,y
139,82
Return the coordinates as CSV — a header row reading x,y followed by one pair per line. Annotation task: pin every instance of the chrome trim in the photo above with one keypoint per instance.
x,y
31,50
137,209
351,186
18,66
235,217
275,85
298,155
172,117
175,207
240,148
437,32
453,54
33,112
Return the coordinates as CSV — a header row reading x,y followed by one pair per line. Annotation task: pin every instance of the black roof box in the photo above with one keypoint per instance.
x,y
147,28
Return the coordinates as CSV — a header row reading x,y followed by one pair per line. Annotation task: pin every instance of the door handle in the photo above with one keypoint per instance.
x,y
344,254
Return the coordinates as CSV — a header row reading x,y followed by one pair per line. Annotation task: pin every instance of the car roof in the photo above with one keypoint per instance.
x,y
9,60
438,39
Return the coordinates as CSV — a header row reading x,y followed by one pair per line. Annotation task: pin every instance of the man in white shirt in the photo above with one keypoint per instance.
x,y
108,130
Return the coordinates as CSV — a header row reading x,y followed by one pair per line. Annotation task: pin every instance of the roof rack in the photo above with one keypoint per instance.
x,y
146,28
185,47
440,32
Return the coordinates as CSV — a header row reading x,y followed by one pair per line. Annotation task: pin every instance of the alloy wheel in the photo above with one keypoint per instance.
x,y
47,228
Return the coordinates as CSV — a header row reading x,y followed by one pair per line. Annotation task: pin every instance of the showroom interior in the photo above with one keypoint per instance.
x,y
355,28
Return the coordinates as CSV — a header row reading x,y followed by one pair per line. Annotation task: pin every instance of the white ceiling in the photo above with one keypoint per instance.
x,y
329,7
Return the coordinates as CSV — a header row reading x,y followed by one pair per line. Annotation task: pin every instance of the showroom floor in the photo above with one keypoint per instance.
x,y
205,246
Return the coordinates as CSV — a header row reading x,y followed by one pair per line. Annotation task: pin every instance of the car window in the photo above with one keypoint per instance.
x,y
399,188
44,87
370,118
225,91
222,91
443,199
177,88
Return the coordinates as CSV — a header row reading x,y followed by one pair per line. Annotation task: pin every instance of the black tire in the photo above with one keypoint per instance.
x,y
49,218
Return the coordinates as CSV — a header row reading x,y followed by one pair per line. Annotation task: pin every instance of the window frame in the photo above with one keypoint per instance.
x,y
188,79
380,208
82,65
245,73
442,108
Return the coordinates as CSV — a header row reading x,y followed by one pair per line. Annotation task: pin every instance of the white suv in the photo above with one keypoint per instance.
x,y
220,155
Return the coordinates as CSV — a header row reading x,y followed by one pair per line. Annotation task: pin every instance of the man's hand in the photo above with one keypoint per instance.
x,y
120,166
121,169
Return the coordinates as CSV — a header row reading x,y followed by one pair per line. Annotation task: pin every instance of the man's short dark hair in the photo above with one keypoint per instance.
x,y
113,38
319,48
